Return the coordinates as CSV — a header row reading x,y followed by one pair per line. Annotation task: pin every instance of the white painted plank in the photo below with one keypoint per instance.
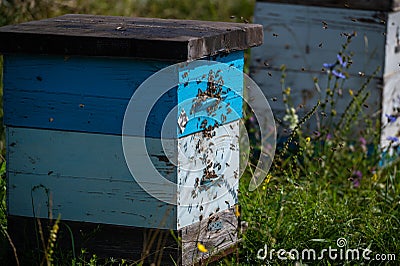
x,y
199,196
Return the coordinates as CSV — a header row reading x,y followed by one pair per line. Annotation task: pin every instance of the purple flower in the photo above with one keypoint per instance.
x,y
391,118
338,74
357,174
356,178
330,66
328,136
341,62
393,139
362,141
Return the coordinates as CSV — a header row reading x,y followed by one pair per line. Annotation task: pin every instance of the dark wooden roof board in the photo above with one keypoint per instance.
x,y
382,5
128,37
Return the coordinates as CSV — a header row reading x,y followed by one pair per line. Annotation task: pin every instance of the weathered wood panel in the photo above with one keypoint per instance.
x,y
295,36
305,95
391,93
386,5
134,244
85,177
91,94
217,233
208,173
392,49
177,40
391,112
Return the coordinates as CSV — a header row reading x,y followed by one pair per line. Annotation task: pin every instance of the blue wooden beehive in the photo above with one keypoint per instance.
x,y
67,84
304,35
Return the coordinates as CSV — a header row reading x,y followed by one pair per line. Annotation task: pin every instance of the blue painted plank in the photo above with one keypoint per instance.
x,y
87,200
87,177
227,104
84,94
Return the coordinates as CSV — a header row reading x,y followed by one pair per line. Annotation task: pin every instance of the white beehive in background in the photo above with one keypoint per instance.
x,y
303,35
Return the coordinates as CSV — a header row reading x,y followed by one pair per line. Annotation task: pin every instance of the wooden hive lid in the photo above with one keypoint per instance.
x,y
383,5
147,38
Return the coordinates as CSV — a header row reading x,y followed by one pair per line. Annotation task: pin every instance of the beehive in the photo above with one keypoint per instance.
x,y
68,82
304,35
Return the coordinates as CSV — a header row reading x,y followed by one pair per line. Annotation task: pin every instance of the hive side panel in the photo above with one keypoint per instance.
x,y
208,173
84,177
391,89
216,233
354,4
211,93
304,37
78,93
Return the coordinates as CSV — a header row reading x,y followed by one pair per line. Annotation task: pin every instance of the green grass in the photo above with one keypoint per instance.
x,y
311,197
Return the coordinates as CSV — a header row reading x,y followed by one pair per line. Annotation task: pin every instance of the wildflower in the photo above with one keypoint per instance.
x,y
329,66
237,211
268,178
356,178
338,74
201,247
263,187
351,92
287,91
292,118
393,139
363,144
391,118
308,139
341,61
317,133
375,177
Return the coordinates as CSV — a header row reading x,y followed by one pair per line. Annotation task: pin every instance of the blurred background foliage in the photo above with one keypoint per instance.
x,y
16,11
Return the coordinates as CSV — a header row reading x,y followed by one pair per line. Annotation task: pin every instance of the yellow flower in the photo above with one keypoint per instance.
x,y
268,178
351,92
375,177
308,139
201,247
287,91
263,187
237,211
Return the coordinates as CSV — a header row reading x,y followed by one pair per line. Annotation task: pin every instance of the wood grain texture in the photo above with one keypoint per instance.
x,y
84,177
217,233
303,45
177,40
133,244
388,5
90,94
390,107
295,36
